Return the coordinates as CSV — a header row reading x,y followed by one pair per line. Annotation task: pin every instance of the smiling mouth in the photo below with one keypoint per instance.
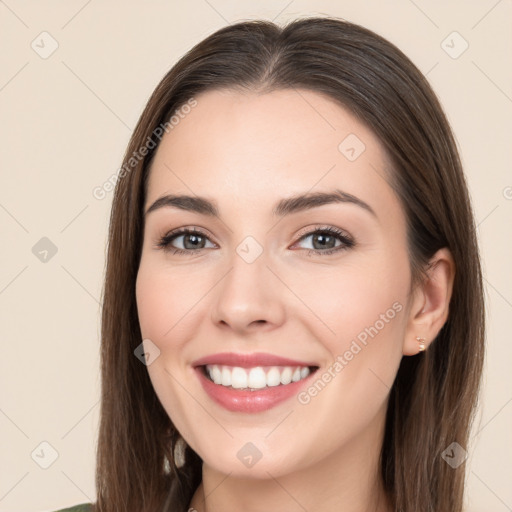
x,y
255,378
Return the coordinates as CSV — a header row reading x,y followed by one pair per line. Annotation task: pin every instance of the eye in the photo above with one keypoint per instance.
x,y
192,240
324,241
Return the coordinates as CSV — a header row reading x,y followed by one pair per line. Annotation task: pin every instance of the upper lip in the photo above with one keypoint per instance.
x,y
249,360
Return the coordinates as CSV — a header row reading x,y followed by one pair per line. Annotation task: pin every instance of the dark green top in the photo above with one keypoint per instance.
x,y
84,507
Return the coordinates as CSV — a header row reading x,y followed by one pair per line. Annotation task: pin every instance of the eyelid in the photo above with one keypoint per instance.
x,y
310,230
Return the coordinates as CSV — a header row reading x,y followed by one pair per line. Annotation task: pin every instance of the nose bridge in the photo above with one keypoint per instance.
x,y
247,293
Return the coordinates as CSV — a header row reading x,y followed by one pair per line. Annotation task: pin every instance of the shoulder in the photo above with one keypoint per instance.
x,y
84,507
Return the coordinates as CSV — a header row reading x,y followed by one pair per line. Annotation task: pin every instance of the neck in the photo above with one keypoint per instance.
x,y
347,479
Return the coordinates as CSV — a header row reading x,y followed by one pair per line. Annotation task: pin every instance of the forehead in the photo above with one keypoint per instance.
x,y
249,149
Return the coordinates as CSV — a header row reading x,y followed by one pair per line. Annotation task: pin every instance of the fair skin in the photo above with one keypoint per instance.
x,y
245,152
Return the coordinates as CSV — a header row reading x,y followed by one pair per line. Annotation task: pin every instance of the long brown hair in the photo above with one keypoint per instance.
x,y
433,399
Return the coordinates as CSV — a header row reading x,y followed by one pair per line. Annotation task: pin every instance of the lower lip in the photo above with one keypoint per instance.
x,y
259,400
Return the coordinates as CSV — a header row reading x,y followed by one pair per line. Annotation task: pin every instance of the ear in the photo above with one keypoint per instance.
x,y
430,304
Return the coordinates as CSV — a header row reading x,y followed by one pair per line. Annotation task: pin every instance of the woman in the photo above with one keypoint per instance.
x,y
293,311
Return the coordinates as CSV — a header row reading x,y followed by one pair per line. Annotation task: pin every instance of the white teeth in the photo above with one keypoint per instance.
x,y
226,377
257,377
216,375
273,377
286,376
238,378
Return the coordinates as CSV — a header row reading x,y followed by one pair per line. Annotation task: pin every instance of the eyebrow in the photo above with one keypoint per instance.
x,y
286,206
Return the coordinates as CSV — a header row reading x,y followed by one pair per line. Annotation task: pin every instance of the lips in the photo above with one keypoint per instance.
x,y
235,397
250,360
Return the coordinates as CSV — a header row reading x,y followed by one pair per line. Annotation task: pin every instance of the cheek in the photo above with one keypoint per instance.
x,y
152,304
365,312
162,305
359,315
163,299
348,298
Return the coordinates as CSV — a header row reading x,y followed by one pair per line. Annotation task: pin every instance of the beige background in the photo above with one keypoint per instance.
x,y
66,120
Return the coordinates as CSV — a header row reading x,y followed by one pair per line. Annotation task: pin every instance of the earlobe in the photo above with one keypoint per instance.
x,y
430,308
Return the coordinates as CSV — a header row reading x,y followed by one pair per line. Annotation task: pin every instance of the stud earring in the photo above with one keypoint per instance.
x,y
421,342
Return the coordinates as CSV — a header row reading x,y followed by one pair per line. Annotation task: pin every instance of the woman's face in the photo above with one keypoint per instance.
x,y
262,292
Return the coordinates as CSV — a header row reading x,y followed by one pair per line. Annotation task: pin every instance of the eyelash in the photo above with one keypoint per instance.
x,y
347,241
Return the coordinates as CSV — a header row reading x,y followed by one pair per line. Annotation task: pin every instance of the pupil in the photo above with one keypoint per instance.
x,y
322,237
194,243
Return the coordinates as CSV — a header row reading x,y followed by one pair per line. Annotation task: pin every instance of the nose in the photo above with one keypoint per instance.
x,y
249,298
